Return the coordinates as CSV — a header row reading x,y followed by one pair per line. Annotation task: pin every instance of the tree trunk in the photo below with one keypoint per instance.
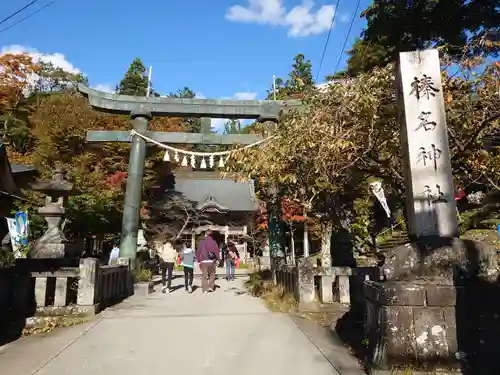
x,y
292,244
326,240
306,237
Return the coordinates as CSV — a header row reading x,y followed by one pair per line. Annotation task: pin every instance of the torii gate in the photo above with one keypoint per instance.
x,y
143,109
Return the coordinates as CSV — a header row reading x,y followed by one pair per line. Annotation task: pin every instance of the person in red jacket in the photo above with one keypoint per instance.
x,y
207,255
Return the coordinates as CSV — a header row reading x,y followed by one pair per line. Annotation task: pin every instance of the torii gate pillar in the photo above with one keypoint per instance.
x,y
133,194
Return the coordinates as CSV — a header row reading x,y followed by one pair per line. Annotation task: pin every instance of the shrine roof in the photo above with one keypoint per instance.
x,y
225,193
7,172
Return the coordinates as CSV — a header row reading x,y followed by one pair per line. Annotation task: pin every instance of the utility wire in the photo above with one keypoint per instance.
x,y
17,12
347,37
28,16
328,39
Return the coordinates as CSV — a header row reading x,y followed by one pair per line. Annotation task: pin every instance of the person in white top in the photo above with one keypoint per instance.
x,y
114,254
168,256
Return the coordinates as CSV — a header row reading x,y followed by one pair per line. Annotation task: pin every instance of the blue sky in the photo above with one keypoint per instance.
x,y
219,48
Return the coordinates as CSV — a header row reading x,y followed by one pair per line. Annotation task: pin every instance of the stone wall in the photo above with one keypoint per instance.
x,y
433,327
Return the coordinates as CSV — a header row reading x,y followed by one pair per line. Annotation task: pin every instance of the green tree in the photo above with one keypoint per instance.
x,y
233,127
192,125
184,93
135,81
363,57
394,26
52,79
300,79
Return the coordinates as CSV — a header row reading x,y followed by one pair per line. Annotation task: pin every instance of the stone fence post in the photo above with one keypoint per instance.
x,y
306,290
88,282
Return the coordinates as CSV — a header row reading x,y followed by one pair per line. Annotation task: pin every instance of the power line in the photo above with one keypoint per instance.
x,y
28,16
17,12
327,39
347,37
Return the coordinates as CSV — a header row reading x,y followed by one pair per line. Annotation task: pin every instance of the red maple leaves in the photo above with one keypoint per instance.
x,y
117,178
292,211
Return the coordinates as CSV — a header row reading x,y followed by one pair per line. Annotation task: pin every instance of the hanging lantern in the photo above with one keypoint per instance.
x,y
193,161
166,157
184,161
211,161
203,164
221,162
176,156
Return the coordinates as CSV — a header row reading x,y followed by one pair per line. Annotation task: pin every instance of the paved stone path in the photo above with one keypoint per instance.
x,y
222,333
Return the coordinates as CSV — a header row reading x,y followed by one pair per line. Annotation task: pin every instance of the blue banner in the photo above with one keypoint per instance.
x,y
21,220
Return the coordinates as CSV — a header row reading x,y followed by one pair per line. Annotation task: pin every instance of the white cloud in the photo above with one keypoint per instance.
x,y
57,59
345,17
218,123
245,96
302,20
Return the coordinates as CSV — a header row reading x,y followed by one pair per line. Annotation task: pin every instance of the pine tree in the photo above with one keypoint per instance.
x,y
300,79
135,81
233,127
192,125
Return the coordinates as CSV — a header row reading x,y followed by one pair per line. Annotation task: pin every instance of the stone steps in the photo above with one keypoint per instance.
x,y
397,240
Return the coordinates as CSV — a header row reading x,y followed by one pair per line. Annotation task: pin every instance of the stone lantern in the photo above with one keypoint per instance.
x,y
53,243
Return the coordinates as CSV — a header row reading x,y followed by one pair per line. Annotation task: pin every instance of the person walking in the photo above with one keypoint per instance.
x,y
230,256
168,256
114,254
207,254
187,260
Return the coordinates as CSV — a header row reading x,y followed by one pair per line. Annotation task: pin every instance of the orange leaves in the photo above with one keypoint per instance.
x,y
291,212
15,71
167,124
117,178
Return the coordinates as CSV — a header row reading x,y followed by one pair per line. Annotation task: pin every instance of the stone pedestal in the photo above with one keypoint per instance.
x,y
306,289
53,243
432,328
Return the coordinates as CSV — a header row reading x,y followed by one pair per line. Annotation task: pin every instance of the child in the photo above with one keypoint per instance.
x,y
231,256
187,261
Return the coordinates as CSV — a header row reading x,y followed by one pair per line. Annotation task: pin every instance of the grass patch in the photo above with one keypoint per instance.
x,y
143,275
49,324
260,284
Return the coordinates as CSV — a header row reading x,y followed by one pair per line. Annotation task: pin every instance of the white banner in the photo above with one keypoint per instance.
x,y
15,238
378,191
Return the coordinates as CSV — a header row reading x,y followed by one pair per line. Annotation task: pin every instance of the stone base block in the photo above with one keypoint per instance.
x,y
143,289
326,288
72,310
433,328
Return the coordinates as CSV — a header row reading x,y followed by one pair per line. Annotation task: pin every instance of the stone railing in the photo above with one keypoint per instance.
x,y
344,279
101,286
304,281
45,288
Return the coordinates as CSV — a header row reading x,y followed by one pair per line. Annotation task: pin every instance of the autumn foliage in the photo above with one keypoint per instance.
x,y
47,122
292,211
15,71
